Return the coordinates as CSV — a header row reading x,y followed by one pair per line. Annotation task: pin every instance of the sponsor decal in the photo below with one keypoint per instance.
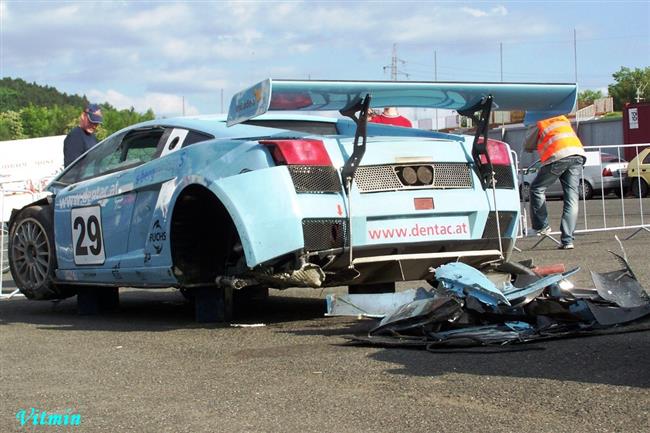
x,y
157,237
145,176
86,197
414,230
87,238
116,272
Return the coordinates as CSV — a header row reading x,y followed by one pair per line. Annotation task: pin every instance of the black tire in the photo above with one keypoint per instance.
x,y
617,192
32,257
4,266
636,192
587,193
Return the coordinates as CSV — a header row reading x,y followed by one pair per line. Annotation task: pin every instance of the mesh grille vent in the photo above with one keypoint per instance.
x,y
503,176
324,233
373,178
314,179
505,221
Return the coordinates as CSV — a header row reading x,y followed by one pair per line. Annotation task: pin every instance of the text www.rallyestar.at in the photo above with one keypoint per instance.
x,y
419,231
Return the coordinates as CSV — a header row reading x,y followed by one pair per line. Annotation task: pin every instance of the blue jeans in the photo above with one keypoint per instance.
x,y
568,170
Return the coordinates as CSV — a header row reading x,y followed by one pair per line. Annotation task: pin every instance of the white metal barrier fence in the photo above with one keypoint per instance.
x,y
628,211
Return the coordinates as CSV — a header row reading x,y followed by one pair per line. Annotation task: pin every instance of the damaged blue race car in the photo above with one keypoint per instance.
x,y
272,200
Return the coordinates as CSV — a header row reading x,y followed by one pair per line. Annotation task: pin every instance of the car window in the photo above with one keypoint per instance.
x,y
196,137
606,157
646,160
118,152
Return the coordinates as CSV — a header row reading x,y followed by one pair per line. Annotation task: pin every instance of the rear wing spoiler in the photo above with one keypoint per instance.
x,y
540,101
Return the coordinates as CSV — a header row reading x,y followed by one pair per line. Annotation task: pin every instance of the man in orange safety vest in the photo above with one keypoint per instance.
x,y
562,157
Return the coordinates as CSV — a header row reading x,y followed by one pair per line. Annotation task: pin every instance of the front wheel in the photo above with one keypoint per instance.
x,y
31,254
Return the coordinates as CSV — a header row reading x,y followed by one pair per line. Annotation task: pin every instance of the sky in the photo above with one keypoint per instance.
x,y
183,55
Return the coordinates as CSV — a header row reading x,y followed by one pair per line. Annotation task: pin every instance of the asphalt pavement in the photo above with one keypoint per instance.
x,y
150,368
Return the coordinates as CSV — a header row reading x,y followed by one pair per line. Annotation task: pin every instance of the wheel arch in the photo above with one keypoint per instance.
x,y
45,201
204,233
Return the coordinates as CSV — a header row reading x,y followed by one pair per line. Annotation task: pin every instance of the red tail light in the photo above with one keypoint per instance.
x,y
290,101
298,152
498,151
607,172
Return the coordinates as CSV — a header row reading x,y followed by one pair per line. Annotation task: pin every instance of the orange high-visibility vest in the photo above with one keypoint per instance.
x,y
556,138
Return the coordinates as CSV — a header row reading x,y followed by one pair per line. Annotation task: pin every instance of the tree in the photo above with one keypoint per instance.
x,y
30,110
587,97
11,126
627,83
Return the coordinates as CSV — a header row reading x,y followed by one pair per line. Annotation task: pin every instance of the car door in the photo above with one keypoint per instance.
x,y
93,214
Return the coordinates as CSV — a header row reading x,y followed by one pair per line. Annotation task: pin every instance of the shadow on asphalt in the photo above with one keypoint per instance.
x,y
619,359
155,311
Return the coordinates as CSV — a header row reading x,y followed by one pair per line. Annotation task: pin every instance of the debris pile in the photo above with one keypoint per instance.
x,y
467,308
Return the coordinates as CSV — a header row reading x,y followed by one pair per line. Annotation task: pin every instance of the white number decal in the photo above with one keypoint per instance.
x,y
87,239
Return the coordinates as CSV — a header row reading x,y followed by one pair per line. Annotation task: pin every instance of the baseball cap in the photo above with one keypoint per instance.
x,y
94,112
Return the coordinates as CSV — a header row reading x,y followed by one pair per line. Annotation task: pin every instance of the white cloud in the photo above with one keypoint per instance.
x,y
168,17
499,10
476,13
163,104
441,26
300,48
67,12
190,80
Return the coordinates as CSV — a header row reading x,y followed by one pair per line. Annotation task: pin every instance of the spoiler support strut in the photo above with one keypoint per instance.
x,y
487,177
358,150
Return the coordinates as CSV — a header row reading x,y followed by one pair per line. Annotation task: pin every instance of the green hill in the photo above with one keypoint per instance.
x,y
16,94
29,110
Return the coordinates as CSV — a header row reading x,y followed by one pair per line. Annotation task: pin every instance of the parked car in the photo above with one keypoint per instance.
x,y
258,200
639,174
602,173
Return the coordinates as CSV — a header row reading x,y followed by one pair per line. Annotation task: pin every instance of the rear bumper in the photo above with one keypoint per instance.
x,y
380,264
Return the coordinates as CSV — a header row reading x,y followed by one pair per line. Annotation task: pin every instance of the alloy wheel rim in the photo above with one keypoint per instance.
x,y
31,253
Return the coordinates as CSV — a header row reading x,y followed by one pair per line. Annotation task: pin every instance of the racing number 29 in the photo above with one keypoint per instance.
x,y
87,236
92,229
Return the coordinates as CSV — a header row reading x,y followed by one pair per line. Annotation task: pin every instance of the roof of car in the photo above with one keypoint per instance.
x,y
215,124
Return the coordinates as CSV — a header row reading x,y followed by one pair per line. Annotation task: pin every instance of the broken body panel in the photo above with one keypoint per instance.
x,y
467,309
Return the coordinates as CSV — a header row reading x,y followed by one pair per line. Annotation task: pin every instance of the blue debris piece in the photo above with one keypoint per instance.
x,y
505,333
464,280
620,288
469,310
373,305
526,294
607,315
420,313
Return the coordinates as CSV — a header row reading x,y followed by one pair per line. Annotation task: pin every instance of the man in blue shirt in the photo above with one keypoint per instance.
x,y
82,137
